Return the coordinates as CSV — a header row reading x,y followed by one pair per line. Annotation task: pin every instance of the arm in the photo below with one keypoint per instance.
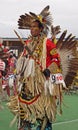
x,y
52,55
53,58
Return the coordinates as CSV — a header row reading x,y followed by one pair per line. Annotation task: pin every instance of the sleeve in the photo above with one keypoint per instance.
x,y
51,49
52,52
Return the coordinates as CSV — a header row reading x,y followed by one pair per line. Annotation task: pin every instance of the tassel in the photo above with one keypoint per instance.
x,y
49,87
13,121
1,107
11,81
30,68
44,54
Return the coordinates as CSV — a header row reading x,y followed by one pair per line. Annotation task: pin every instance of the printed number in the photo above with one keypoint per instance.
x,y
53,78
59,78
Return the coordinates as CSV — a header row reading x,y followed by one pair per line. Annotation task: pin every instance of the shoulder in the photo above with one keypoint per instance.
x,y
50,44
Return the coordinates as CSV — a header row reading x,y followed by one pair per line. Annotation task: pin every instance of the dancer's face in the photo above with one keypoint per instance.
x,y
35,29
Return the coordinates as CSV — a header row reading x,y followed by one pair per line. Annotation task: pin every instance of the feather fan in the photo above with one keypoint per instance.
x,y
66,47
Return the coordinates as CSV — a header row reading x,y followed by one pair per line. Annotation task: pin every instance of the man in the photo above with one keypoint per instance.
x,y
38,55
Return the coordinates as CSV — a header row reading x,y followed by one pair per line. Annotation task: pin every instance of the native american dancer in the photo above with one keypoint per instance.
x,y
43,70
11,73
7,77
2,70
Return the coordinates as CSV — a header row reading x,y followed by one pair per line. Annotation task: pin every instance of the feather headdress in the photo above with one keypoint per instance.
x,y
44,17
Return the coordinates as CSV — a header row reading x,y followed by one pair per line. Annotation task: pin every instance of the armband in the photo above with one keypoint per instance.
x,y
53,51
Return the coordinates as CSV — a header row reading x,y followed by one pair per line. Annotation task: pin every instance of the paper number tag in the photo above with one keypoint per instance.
x,y
57,78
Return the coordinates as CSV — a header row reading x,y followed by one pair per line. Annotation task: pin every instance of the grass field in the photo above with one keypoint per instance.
x,y
5,118
67,121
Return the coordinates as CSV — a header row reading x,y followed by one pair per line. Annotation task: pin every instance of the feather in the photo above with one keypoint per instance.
x,y
60,41
24,21
45,10
33,15
55,30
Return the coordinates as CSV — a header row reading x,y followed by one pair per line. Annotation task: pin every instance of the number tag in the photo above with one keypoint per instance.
x,y
57,78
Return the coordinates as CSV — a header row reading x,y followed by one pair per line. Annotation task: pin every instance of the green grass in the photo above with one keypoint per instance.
x,y
67,121
5,118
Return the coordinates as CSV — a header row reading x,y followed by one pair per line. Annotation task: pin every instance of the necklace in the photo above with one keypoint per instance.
x,y
36,45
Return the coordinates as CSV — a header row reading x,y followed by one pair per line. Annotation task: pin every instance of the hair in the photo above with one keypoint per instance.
x,y
46,73
39,24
